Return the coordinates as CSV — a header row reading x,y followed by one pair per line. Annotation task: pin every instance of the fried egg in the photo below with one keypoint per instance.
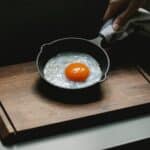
x,y
72,70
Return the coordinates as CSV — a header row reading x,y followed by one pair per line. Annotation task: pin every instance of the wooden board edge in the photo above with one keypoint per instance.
x,y
6,128
81,123
144,74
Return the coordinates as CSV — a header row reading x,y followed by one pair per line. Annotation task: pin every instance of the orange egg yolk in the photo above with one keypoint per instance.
x,y
77,72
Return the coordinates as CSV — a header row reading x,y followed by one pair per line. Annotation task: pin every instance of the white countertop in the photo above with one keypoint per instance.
x,y
94,138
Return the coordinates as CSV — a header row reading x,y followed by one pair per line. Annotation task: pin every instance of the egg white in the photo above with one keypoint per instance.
x,y
54,70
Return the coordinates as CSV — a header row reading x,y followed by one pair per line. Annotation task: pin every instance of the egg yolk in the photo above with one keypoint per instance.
x,y
77,72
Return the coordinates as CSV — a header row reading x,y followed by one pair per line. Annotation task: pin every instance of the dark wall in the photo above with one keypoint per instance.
x,y
26,24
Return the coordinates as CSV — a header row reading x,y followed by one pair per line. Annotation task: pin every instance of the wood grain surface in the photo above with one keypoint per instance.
x,y
26,103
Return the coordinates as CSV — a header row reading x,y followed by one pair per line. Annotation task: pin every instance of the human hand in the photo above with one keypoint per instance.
x,y
127,9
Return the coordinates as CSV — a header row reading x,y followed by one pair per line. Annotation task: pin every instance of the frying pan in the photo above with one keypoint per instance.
x,y
92,47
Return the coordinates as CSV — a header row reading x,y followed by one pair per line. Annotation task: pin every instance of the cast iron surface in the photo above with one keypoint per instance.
x,y
73,44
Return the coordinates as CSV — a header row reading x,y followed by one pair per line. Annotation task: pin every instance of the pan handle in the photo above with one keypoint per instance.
x,y
105,35
98,40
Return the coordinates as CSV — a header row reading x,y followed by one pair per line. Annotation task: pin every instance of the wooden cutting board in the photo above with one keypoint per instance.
x,y
24,107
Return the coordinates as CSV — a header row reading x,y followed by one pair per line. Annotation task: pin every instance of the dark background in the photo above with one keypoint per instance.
x,y
26,24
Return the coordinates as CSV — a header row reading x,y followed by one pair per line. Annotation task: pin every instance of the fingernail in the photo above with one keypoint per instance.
x,y
116,27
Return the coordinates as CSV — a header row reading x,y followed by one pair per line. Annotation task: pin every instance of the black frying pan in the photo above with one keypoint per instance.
x,y
91,47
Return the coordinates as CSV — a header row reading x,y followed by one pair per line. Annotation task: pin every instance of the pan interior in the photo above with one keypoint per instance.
x,y
55,70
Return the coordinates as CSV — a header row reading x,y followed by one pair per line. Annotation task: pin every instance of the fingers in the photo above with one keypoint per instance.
x,y
124,16
114,7
127,9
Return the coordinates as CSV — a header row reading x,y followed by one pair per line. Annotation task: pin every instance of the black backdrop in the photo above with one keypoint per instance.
x,y
26,24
